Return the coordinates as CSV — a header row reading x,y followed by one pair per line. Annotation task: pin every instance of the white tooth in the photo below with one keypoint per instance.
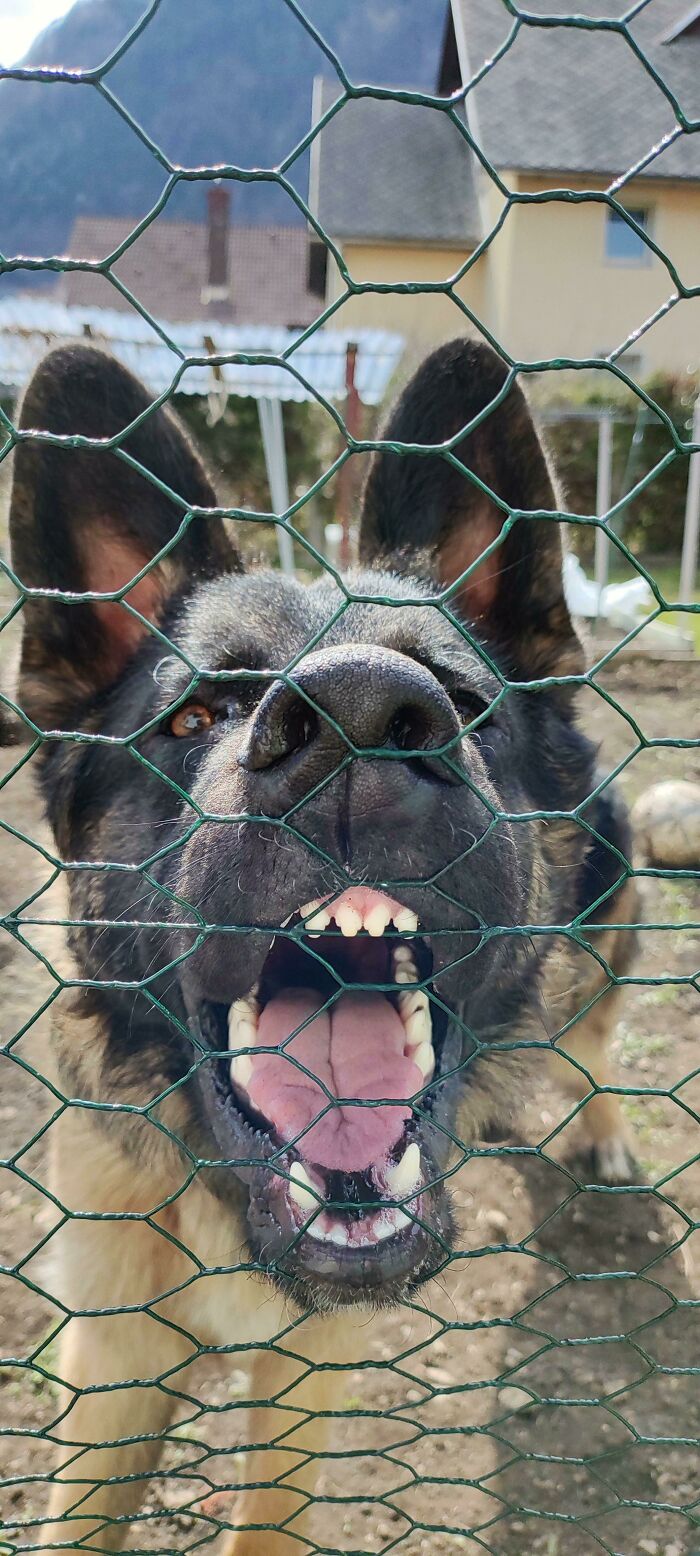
x,y
403,954
405,1175
320,921
377,919
419,1027
301,1188
406,974
338,1234
409,1004
241,1070
244,1011
383,1228
401,1220
241,1015
405,921
243,1023
424,1057
348,921
314,1230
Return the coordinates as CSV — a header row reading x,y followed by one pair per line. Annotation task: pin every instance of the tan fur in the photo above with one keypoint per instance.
x,y
134,1262
306,1391
580,1063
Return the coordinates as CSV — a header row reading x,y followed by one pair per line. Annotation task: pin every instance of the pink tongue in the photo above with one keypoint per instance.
x,y
356,1048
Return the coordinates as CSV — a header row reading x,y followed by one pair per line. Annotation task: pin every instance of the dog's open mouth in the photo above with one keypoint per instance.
x,y
333,1060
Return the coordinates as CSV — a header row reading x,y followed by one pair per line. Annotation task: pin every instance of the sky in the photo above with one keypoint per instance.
x,y
21,20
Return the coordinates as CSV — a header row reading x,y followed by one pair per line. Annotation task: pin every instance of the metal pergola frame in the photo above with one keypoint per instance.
x,y
270,365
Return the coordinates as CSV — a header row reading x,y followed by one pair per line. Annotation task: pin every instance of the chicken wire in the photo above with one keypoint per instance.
x,y
512,1519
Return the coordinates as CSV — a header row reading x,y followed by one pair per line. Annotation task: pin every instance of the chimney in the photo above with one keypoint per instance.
x,y
216,294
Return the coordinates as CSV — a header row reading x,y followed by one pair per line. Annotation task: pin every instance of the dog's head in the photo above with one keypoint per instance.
x,y
306,817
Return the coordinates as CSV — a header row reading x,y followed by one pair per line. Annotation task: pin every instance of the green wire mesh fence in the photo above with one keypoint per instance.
x,y
182,1368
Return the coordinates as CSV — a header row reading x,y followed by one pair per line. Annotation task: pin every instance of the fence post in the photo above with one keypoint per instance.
x,y
603,500
270,418
691,529
347,475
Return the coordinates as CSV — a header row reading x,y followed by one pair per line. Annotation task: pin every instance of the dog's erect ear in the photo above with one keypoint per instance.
x,y
84,519
419,507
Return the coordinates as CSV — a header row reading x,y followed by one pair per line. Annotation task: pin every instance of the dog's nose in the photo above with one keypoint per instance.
x,y
341,701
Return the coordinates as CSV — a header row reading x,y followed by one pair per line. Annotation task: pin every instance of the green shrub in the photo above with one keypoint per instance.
x,y
652,522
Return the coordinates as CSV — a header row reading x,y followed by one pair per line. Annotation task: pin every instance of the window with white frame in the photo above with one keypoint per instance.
x,y
624,246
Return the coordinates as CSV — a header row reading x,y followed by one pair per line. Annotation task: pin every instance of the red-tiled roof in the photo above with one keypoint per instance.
x,y
166,269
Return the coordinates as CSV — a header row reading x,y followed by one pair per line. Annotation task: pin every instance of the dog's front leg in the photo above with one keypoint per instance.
x,y
287,1439
95,1485
112,1406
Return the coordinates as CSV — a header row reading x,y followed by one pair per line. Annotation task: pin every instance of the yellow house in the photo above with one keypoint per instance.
x,y
593,115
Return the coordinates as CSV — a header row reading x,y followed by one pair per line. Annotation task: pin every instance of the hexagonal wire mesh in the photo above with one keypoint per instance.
x,y
535,1392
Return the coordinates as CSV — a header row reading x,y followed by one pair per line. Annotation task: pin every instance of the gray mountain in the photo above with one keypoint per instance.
x,y
207,81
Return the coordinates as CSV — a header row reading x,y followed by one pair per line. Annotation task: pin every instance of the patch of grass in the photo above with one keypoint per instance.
x,y
679,902
186,1431
664,994
238,1385
645,1117
46,1358
667,578
640,1045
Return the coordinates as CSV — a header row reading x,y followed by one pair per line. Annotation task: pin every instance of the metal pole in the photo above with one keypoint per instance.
x,y
691,530
347,477
603,501
272,430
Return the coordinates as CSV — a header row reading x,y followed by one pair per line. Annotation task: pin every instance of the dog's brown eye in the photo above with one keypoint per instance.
x,y
191,719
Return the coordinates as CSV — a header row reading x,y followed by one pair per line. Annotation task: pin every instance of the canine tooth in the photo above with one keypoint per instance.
x,y
383,1228
419,1027
405,921
301,1188
348,920
377,919
247,1034
243,1021
241,1069
246,1009
401,1220
338,1234
406,974
424,1058
403,1176
319,921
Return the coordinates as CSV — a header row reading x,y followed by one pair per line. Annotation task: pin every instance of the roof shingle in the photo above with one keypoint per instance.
x,y
383,169
575,99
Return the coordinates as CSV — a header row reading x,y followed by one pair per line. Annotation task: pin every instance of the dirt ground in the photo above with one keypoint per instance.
x,y
595,1453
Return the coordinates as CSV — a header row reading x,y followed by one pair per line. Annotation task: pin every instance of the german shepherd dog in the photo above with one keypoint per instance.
x,y
303,833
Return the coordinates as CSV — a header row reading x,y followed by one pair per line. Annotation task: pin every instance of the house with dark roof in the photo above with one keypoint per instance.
x,y
183,270
508,198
